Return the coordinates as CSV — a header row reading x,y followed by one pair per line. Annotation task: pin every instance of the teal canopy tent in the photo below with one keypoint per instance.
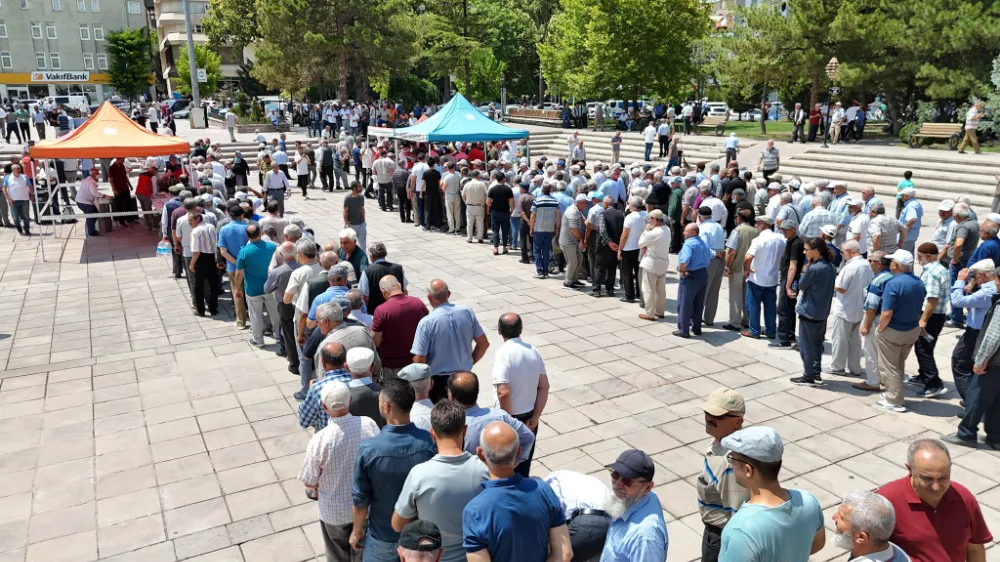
x,y
456,121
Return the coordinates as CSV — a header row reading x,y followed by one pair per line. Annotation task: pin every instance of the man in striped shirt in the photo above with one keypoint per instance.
x,y
719,495
543,226
202,266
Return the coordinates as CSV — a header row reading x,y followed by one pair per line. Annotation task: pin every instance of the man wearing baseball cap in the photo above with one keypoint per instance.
x,y
419,537
719,495
637,532
899,327
775,523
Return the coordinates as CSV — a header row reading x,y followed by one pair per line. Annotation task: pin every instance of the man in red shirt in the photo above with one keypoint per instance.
x,y
937,520
395,324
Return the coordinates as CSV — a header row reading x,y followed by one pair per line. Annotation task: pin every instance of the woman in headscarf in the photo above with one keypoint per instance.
x,y
122,188
241,169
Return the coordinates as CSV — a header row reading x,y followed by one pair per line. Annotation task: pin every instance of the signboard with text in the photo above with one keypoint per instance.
x,y
60,76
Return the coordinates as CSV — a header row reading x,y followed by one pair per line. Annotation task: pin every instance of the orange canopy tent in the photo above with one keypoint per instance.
x,y
109,133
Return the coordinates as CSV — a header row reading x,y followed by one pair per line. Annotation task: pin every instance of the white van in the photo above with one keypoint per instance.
x,y
75,101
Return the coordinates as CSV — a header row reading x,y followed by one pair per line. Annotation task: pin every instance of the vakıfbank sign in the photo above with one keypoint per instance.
x,y
60,76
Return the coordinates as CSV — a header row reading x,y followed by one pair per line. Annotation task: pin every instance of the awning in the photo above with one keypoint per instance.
x,y
109,133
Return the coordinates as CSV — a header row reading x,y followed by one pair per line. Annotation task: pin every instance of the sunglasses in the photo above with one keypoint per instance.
x,y
723,416
627,482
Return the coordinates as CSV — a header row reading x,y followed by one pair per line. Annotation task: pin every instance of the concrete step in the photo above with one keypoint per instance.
x,y
915,165
913,155
886,173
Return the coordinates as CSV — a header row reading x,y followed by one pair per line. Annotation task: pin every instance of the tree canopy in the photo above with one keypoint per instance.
x,y
205,58
129,61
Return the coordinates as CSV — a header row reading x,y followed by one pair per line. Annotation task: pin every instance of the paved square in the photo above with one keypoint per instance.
x,y
131,429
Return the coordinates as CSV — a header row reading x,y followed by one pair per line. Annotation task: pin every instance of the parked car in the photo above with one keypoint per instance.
x,y
511,106
718,109
752,115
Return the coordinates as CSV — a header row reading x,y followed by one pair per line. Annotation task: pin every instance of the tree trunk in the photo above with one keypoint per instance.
x,y
342,76
763,105
813,91
360,83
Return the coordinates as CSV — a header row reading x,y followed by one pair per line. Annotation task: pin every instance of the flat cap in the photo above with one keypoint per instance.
x,y
415,372
757,442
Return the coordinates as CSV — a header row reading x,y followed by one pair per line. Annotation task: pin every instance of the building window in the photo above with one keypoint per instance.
x,y
88,61
81,5
84,32
50,30
133,7
98,33
40,61
56,5
199,8
102,62
95,5
198,29
56,61
3,29
5,60
24,4
36,30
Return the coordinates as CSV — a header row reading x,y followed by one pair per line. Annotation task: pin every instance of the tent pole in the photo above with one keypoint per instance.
x,y
38,211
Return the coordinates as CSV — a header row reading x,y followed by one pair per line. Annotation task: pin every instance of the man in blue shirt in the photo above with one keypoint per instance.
x,y
976,296
989,247
514,519
902,306
913,213
775,523
337,277
383,464
232,238
251,274
463,387
444,336
714,236
614,187
311,412
639,533
692,264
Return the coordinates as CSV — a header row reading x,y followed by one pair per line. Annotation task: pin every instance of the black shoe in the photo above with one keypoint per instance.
x,y
596,293
731,328
679,334
710,324
293,370
280,353
300,396
954,439
20,230
576,284
803,381
626,299
994,446
779,344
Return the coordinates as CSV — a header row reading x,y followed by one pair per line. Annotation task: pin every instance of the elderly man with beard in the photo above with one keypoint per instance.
x,y
863,524
719,495
638,532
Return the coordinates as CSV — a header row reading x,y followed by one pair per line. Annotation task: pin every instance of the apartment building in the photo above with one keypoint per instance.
x,y
171,30
57,47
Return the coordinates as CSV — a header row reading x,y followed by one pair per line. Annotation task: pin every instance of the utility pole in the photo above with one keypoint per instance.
x,y
465,32
193,66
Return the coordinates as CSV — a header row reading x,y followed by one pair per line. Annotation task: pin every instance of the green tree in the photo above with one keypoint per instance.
x,y
231,23
248,84
603,49
129,61
205,58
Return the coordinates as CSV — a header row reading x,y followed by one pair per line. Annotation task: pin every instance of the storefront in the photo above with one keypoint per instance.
x,y
39,84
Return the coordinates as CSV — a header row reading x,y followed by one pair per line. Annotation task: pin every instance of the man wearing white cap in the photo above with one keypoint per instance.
x,y
899,327
328,468
912,214
775,523
719,495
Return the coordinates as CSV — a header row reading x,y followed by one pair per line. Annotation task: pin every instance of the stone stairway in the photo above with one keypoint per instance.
x,y
696,148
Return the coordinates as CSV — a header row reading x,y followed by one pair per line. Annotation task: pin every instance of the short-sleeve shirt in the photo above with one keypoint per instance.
x,y
937,284
445,337
253,259
758,533
518,364
794,251
571,219
500,196
233,237
904,295
355,209
636,223
767,250
854,277
546,209
968,231
912,210
938,534
438,490
511,519
397,319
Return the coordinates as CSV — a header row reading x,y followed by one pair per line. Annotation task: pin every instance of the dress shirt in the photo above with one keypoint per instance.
x,y
518,365
937,284
977,304
276,180
639,535
719,212
311,412
445,337
88,191
577,491
695,254
477,418
766,250
204,239
814,220
713,235
329,465
656,241
387,459
942,232
854,277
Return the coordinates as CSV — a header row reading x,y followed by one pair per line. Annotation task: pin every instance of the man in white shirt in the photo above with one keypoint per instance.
x,y
835,122
474,194
451,187
586,502
417,186
649,137
519,380
655,240
231,124
18,196
86,198
154,118
761,265
847,312
857,229
383,169
275,184
663,132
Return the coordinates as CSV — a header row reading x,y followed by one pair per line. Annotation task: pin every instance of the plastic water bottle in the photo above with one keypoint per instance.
x,y
163,249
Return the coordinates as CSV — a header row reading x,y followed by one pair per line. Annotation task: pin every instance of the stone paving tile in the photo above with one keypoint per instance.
x,y
129,431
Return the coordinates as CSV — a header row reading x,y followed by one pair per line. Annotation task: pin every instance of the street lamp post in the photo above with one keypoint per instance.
x,y
831,72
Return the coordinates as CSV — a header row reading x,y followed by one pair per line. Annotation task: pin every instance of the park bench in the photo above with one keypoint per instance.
x,y
712,122
535,116
950,131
